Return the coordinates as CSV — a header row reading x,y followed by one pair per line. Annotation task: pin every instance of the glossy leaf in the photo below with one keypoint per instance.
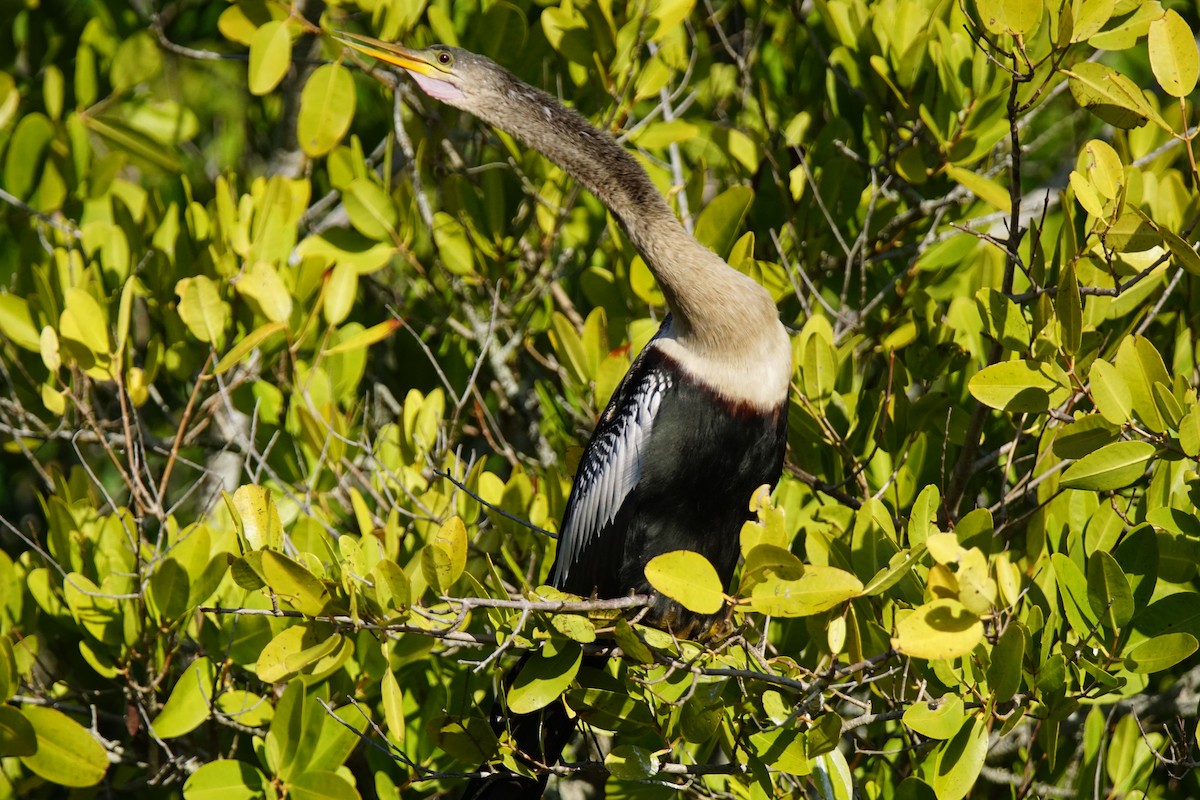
x,y
190,702
940,720
1173,55
960,760
326,109
1160,652
66,753
687,578
939,629
270,56
1111,467
818,589
543,679
1020,386
1108,591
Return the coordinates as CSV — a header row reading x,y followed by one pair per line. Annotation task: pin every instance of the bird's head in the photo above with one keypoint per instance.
x,y
450,74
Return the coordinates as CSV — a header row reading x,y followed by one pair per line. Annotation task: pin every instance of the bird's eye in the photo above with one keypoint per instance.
x,y
445,58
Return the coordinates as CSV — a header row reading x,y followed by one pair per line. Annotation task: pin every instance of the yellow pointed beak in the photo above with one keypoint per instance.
x,y
388,52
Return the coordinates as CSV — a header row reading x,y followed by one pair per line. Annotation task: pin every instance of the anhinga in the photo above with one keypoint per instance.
x,y
698,422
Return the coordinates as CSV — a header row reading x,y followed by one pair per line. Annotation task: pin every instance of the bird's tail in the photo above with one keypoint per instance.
x,y
539,737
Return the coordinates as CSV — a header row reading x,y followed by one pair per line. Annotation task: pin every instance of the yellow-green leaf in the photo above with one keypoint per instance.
x,y
259,517
294,584
1110,392
960,760
942,628
689,579
629,762
1161,652
190,702
371,210
937,720
365,338
265,289
819,589
247,344
1173,55
66,753
1020,386
270,56
393,707
202,310
985,189
326,109
1111,467
544,678
341,289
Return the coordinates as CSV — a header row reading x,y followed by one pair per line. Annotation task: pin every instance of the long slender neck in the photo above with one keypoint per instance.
x,y
715,308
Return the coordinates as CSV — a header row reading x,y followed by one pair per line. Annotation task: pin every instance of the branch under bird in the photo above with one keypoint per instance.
x,y
699,421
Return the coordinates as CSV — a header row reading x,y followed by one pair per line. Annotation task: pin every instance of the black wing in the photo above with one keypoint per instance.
x,y
609,471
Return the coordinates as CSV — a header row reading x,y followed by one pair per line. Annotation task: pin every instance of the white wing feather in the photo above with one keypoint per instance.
x,y
610,469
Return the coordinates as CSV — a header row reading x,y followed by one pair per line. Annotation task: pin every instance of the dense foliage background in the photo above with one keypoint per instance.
x,y
295,362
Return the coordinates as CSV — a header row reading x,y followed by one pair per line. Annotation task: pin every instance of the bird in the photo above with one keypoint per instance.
x,y
699,421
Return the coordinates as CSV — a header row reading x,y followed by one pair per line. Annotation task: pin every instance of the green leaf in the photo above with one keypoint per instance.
x,y
371,210
10,99
270,56
168,592
453,244
1173,56
261,284
720,222
259,518
16,323
226,780
1111,467
392,587
293,584
138,60
17,737
628,762
1161,652
960,760
985,189
1068,306
1189,432
321,785
1110,393
341,289
444,560
1015,17
819,589
1110,95
1108,591
326,109
687,578
898,566
942,628
66,753
190,702
365,338
202,310
544,678
393,707
1004,671
1020,386
922,518
309,649
938,720
83,322
246,345
784,749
